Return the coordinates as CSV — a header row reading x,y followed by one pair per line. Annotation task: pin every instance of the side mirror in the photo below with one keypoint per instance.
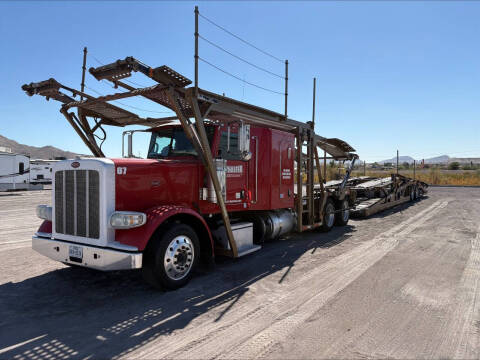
x,y
130,145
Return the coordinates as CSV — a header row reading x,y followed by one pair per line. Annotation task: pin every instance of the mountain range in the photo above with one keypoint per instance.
x,y
51,152
443,159
44,152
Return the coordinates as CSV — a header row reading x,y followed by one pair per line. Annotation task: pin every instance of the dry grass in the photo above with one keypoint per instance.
x,y
434,176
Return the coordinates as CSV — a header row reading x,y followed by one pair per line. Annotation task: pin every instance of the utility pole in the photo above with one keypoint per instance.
x,y
286,90
84,69
364,167
325,166
397,162
311,161
313,108
414,166
196,51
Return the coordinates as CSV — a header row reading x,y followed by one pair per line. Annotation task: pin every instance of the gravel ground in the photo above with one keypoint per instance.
x,y
401,284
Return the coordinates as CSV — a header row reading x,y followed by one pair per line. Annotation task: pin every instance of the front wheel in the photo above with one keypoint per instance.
x,y
170,261
343,215
328,216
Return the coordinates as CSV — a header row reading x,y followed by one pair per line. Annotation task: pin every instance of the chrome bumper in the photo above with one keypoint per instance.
x,y
95,258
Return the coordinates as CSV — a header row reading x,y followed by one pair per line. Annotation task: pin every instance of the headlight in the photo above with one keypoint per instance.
x,y
127,219
44,212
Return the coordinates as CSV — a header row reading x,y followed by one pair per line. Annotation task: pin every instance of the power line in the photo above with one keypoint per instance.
x,y
98,61
239,38
130,106
95,91
134,83
238,78
239,58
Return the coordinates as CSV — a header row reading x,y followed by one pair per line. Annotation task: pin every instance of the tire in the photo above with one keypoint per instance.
x,y
170,260
328,216
417,193
342,217
412,193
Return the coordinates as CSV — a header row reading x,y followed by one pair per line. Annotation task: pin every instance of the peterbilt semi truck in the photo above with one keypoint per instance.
x,y
220,178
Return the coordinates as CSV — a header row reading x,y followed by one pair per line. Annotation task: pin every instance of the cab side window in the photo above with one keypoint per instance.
x,y
228,148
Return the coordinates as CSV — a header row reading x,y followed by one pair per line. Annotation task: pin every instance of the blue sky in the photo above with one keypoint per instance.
x,y
390,75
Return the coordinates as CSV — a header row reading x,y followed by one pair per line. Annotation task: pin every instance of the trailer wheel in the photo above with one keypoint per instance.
x,y
417,193
328,216
342,217
170,261
412,193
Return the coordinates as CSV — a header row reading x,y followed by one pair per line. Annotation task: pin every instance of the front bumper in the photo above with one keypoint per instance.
x,y
93,257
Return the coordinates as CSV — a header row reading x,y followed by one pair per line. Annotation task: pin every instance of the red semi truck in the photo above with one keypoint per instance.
x,y
195,196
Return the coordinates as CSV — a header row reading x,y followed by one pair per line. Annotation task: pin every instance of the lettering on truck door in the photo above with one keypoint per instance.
x,y
286,172
237,169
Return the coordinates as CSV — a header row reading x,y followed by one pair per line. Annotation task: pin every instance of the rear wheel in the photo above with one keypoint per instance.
x,y
328,216
412,193
343,215
170,261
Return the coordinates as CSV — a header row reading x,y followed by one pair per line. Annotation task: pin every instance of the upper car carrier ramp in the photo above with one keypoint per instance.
x,y
123,68
192,106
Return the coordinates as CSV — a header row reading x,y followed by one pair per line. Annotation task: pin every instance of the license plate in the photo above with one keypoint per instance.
x,y
75,251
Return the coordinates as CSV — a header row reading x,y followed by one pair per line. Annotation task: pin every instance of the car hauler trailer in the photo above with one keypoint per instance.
x,y
220,178
378,194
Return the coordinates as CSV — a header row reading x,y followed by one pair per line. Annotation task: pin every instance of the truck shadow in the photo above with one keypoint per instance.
x,y
80,313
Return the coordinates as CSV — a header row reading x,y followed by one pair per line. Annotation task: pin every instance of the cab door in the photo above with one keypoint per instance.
x,y
282,170
237,174
253,170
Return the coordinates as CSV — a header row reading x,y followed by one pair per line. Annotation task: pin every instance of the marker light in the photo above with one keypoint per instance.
x,y
127,219
44,212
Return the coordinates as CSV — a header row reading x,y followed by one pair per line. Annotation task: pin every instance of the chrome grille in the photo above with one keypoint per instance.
x,y
77,203
81,204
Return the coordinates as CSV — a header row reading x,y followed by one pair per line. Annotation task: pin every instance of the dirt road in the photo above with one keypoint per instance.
x,y
402,284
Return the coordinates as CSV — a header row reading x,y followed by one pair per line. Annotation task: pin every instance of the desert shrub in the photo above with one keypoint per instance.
x,y
454,166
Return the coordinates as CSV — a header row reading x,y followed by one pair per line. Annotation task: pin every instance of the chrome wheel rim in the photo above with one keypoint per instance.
x,y
346,212
179,257
330,215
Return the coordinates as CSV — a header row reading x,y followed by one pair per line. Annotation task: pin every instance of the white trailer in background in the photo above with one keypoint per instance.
x,y
14,172
41,171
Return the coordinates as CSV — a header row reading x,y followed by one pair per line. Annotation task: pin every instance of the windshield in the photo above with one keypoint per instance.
x,y
172,142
